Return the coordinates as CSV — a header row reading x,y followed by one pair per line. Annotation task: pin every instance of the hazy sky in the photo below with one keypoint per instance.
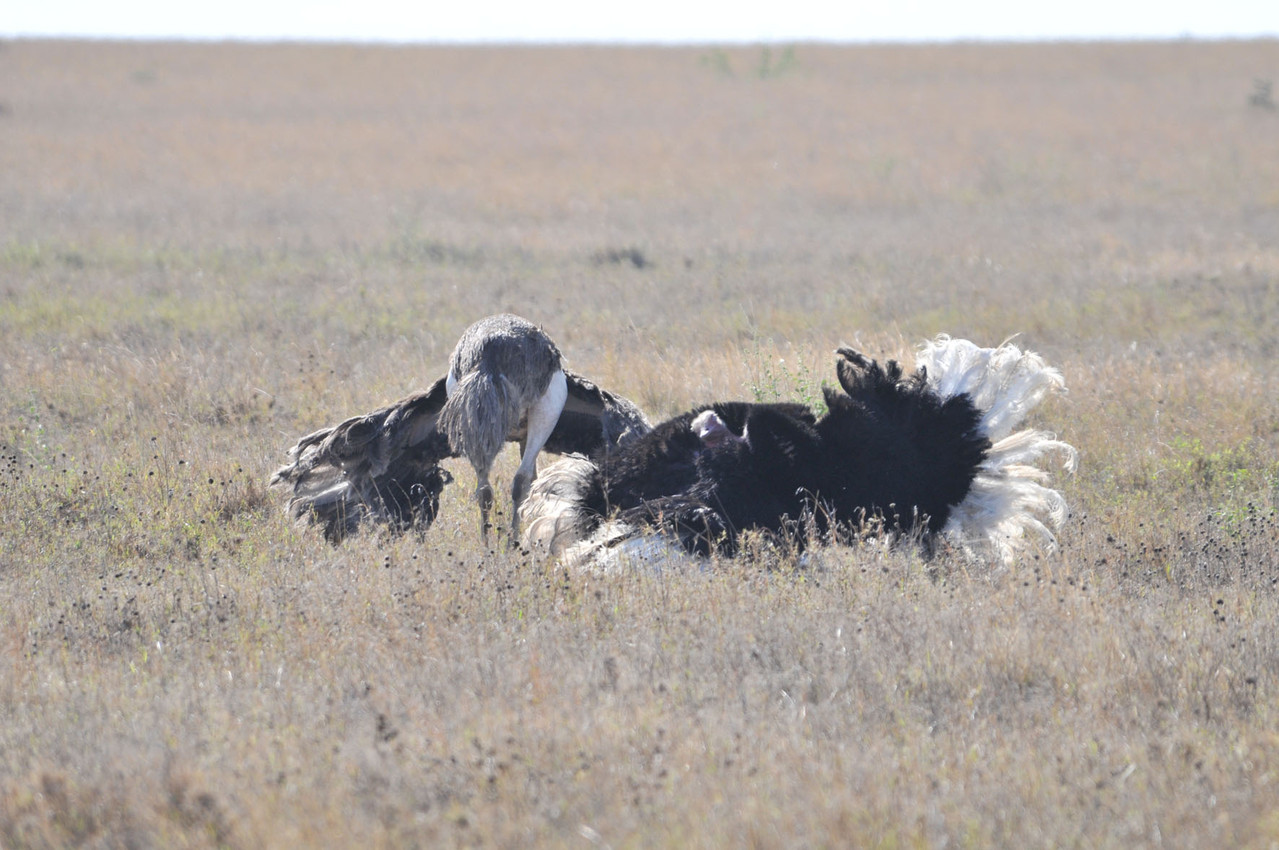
x,y
651,21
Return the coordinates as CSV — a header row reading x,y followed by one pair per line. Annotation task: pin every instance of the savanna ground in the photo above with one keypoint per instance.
x,y
208,250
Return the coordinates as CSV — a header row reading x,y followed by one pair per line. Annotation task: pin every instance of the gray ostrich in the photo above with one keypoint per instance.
x,y
505,370
505,383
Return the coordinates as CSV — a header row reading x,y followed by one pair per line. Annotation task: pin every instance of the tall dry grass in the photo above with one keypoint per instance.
x,y
208,250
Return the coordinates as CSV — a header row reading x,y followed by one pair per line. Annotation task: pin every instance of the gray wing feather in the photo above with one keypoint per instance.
x,y
380,467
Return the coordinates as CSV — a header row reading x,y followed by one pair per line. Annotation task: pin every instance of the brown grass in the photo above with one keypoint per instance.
x,y
207,250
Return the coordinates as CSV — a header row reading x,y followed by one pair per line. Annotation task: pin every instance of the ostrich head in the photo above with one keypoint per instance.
x,y
712,430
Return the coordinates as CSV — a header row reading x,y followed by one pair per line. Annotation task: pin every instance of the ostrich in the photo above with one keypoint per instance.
x,y
505,382
931,453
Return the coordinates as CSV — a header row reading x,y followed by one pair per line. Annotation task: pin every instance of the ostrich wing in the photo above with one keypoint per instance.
x,y
382,466
371,444
595,420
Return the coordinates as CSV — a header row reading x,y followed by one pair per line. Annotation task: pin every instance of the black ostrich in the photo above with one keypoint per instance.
x,y
926,453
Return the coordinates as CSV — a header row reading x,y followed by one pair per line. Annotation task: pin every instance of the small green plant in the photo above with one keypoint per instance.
x,y
717,60
771,67
1261,96
779,381
1222,472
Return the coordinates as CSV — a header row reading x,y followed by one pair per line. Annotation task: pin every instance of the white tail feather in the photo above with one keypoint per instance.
x,y
1004,383
1010,504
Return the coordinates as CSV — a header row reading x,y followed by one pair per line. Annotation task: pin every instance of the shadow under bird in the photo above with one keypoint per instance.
x,y
505,383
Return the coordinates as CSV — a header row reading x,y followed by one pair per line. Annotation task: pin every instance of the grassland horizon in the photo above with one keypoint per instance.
x,y
208,250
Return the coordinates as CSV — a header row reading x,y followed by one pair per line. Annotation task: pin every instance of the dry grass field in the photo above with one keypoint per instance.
x,y
209,250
